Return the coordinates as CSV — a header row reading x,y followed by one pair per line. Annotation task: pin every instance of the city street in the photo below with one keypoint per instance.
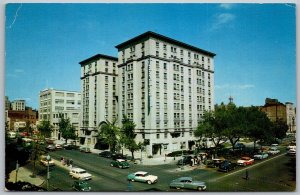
x,y
272,174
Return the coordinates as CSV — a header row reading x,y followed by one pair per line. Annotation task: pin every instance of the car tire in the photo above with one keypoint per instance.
x,y
149,182
199,188
132,180
178,188
120,167
111,165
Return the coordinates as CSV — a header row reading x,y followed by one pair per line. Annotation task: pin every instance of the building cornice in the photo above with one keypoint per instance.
x,y
149,34
98,72
164,59
97,57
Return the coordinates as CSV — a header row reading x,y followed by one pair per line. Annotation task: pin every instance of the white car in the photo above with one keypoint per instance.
x,y
142,176
273,151
80,174
292,152
44,161
291,147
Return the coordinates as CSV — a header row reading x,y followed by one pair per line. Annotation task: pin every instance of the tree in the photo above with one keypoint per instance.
x,y
66,129
109,132
257,125
279,128
230,122
45,128
128,136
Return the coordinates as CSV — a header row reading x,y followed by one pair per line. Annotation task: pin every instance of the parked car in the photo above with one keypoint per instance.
x,y
226,166
50,147
239,146
58,146
214,163
12,134
121,163
188,183
185,160
106,154
116,156
80,174
245,160
85,149
44,161
142,176
273,151
291,146
291,152
261,155
82,186
70,147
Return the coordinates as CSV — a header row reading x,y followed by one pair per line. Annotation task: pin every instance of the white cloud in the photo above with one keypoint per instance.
x,y
241,86
222,20
226,5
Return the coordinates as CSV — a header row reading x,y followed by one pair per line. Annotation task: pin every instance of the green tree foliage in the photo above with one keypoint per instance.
x,y
128,135
279,128
235,122
45,128
109,132
257,125
66,129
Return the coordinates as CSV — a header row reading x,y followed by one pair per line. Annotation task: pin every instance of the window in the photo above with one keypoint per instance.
x,y
165,66
157,136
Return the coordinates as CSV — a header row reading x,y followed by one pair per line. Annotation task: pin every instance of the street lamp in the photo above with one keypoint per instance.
x,y
181,156
48,174
142,148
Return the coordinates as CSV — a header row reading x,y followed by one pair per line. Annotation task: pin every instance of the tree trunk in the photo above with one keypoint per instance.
x,y
132,154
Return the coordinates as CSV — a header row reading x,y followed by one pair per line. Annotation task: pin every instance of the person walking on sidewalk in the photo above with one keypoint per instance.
x,y
247,175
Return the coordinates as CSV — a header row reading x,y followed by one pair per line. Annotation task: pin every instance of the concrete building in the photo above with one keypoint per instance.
x,y
53,103
99,88
18,105
291,116
164,86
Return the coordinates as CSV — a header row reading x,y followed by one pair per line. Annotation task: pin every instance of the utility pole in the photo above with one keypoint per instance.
x,y
17,169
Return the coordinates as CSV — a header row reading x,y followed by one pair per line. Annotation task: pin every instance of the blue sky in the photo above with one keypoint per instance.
x,y
255,44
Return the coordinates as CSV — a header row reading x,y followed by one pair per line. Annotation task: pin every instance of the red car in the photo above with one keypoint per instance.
x,y
245,160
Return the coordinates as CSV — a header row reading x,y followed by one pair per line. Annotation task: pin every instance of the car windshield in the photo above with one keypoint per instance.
x,y
81,172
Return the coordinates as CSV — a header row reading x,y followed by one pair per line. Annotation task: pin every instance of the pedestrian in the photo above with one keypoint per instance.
x,y
71,162
129,186
247,175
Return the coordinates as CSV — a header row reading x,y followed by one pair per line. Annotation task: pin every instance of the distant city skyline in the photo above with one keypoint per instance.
x,y
255,44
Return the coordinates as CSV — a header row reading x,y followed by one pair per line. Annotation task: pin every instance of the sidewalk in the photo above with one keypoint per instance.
x,y
24,174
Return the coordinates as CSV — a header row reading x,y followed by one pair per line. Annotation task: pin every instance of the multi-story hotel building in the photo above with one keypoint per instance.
x,y
164,86
99,88
54,103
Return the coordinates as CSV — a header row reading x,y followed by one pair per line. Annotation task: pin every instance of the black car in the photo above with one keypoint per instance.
x,y
70,147
226,166
116,156
186,160
106,154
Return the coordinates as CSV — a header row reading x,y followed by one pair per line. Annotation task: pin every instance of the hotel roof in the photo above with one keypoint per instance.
x,y
149,34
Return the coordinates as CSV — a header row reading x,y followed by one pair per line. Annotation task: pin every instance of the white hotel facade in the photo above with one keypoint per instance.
x,y
163,85
54,102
